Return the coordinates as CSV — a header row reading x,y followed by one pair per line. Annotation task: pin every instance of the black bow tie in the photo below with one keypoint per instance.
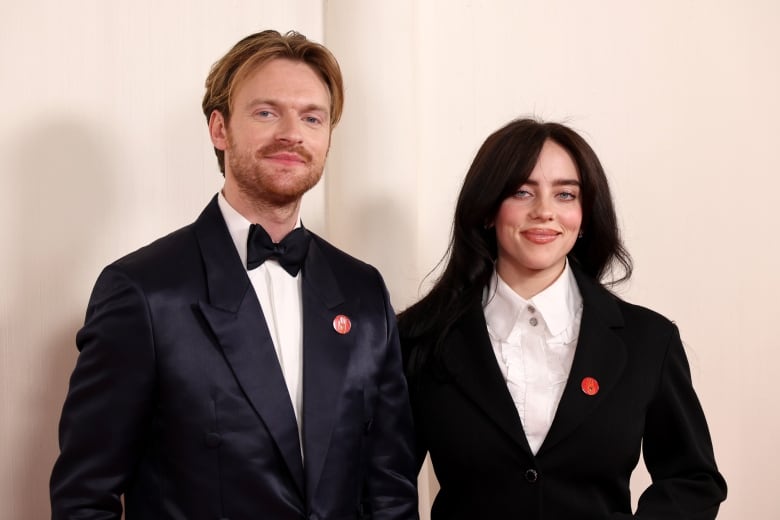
x,y
290,252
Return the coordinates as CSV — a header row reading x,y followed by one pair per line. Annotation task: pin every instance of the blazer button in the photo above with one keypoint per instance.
x,y
212,441
531,475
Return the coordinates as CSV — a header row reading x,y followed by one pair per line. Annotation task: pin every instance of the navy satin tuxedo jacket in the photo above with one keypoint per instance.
x,y
466,419
178,401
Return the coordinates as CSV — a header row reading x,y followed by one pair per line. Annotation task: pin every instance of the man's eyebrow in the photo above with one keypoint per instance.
x,y
261,101
275,104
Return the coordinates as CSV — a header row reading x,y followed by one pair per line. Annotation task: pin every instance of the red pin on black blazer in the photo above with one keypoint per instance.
x,y
178,401
629,388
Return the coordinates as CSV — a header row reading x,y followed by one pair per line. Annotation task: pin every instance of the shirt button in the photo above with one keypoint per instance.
x,y
531,475
534,322
531,309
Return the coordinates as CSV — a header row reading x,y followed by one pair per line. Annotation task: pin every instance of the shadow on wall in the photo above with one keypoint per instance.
x,y
60,200
382,235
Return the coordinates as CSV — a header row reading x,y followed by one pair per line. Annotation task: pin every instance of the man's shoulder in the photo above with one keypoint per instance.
x,y
340,258
353,272
178,246
170,248
170,263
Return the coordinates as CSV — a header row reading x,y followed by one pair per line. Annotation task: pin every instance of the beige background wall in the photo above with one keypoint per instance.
x,y
103,148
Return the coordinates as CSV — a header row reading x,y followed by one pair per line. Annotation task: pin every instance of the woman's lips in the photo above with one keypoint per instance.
x,y
540,236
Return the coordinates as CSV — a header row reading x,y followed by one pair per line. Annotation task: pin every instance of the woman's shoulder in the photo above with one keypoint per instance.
x,y
645,321
616,311
640,312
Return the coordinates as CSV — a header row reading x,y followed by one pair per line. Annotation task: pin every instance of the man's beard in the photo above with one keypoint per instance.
x,y
264,184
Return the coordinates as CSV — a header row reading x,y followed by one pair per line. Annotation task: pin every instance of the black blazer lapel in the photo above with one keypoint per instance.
x,y
236,319
600,354
326,356
472,363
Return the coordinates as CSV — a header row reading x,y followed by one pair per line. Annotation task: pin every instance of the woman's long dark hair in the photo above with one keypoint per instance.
x,y
503,163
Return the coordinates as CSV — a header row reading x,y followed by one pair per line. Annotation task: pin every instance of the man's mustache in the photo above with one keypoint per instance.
x,y
275,148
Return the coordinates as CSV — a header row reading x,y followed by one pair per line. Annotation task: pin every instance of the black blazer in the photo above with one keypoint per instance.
x,y
465,418
178,401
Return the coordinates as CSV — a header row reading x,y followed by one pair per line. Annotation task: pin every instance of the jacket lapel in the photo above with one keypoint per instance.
x,y
600,354
326,356
472,363
236,319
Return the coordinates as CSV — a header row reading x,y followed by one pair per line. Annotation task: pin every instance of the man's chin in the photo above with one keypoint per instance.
x,y
287,197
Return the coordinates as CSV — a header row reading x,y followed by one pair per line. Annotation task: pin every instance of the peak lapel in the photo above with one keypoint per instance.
x,y
325,359
235,317
600,354
471,361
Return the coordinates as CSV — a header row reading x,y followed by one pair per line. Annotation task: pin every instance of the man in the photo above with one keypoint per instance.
x,y
219,378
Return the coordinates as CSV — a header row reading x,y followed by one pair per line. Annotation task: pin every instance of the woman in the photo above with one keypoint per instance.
x,y
533,387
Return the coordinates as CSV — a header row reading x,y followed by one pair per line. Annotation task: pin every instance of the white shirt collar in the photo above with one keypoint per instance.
x,y
558,304
238,225
279,295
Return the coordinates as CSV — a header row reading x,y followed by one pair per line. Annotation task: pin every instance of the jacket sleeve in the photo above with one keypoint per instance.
x,y
107,407
677,448
390,488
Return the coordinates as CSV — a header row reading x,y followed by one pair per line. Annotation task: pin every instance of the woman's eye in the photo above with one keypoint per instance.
x,y
522,194
567,195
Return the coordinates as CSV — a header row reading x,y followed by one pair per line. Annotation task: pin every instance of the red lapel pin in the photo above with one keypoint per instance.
x,y
590,386
342,324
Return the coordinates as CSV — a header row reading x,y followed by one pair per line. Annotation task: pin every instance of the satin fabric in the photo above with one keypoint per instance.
x,y
178,402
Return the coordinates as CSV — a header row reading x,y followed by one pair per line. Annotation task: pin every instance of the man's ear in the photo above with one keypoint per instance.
x,y
218,130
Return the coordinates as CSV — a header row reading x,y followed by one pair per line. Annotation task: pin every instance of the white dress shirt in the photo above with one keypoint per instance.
x,y
534,342
280,298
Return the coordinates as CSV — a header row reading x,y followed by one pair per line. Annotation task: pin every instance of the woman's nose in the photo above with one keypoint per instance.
x,y
542,210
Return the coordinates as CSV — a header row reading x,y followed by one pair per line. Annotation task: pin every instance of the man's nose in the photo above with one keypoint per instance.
x,y
289,129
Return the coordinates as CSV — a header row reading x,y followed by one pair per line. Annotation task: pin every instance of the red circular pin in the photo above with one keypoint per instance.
x,y
590,386
342,324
